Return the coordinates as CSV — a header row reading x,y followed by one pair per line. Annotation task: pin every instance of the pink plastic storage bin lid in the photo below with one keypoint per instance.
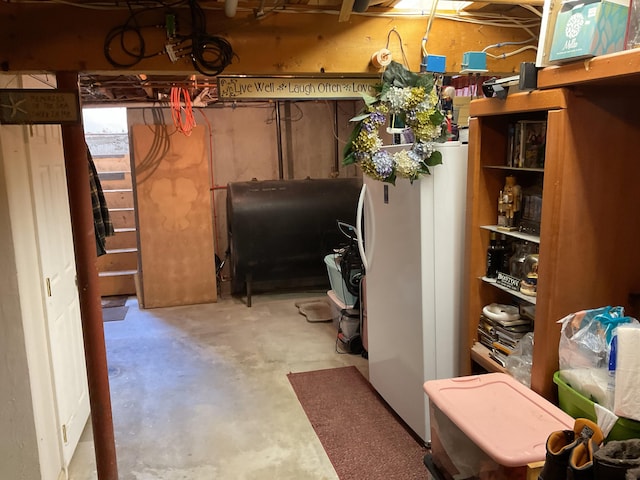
x,y
509,422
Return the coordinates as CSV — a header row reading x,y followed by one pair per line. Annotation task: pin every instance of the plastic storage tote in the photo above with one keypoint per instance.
x,y
489,426
337,282
579,406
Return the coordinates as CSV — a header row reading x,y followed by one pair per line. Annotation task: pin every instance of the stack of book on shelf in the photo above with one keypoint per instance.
x,y
501,333
526,141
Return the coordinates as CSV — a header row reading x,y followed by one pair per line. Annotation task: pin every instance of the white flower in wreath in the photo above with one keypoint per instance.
x,y
415,101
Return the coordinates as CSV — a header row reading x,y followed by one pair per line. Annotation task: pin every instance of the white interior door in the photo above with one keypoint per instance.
x,y
58,268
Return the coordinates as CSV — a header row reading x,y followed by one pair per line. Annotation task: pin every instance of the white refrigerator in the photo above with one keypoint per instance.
x,y
413,250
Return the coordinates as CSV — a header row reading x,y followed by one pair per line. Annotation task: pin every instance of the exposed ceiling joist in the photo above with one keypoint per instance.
x,y
269,44
345,10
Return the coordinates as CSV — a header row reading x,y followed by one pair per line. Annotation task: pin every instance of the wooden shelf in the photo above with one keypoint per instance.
x,y
534,101
480,355
488,143
590,183
620,68
515,169
521,296
515,234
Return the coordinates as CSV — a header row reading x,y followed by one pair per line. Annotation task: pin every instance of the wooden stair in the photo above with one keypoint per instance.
x,y
118,268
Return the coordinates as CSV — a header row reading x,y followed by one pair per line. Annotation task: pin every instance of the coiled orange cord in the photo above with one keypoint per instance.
x,y
183,117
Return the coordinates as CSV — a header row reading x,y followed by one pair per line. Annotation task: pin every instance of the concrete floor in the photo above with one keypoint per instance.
x,y
201,392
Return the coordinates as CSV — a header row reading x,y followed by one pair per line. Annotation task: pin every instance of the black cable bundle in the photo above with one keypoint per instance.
x,y
210,54
128,40
124,45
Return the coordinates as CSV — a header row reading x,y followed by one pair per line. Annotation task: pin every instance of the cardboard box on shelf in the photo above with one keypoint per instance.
x,y
587,29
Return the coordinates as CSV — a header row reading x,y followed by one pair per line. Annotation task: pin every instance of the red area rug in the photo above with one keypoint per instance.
x,y
362,436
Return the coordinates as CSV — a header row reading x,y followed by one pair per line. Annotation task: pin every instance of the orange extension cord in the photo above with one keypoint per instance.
x,y
183,117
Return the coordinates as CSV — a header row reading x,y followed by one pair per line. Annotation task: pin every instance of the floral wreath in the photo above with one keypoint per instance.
x,y
413,98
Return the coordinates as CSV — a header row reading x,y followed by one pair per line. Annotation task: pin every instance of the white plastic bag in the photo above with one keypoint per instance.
x,y
519,362
585,344
586,335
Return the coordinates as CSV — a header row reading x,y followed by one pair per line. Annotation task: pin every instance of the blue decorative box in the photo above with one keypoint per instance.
x,y
474,62
434,63
585,30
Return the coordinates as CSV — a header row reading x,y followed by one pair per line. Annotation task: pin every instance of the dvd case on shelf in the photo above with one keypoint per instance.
x,y
526,145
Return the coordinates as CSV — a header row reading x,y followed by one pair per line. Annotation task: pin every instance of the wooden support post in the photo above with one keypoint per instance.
x,y
77,171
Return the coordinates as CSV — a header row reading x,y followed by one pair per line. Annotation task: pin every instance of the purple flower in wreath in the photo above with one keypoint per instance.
x,y
412,97
383,162
378,118
409,137
415,156
423,149
369,127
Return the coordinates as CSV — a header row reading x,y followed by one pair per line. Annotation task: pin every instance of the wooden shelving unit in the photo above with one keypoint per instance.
x,y
590,221
616,69
481,355
521,296
515,234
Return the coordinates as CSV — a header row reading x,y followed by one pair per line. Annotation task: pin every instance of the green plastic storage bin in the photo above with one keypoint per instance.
x,y
579,406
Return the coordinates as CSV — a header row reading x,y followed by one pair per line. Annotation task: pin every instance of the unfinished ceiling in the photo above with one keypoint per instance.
x,y
184,22
137,89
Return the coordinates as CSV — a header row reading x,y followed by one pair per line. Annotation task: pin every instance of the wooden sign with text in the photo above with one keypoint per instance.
x,y
298,88
32,106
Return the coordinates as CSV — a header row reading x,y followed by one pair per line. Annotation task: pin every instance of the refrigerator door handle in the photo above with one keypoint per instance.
x,y
366,261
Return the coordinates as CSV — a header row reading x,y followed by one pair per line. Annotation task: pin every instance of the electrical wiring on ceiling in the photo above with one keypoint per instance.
x,y
296,8
532,9
492,20
125,45
210,54
514,52
142,88
432,15
273,117
127,41
140,37
404,56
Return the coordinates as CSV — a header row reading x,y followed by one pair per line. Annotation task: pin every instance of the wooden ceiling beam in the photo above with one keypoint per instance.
x,y
50,38
345,10
477,6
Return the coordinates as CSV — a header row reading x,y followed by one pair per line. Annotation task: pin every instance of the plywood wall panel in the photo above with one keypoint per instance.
x,y
244,142
311,151
241,143
174,220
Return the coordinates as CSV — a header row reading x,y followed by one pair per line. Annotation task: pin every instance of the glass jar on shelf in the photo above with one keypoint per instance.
x,y
529,284
518,259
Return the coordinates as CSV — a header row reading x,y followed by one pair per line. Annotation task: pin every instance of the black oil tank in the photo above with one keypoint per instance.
x,y
280,230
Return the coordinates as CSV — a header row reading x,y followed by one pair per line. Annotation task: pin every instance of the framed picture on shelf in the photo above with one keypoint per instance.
x,y
529,139
531,211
